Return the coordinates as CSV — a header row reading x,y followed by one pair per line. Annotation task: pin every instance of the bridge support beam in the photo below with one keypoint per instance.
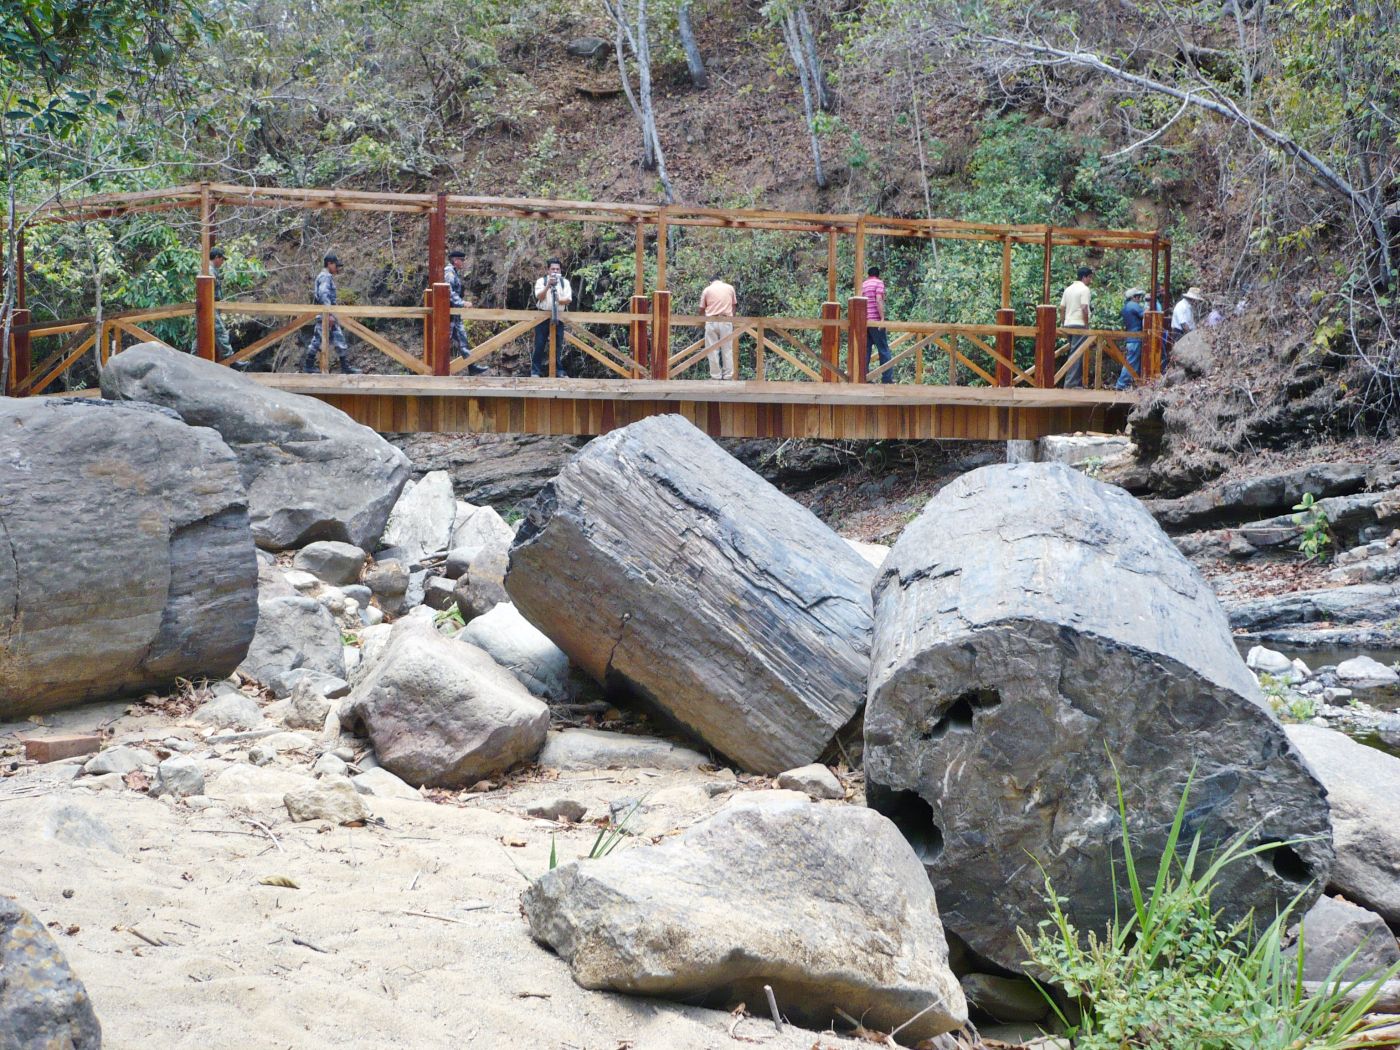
x,y
661,334
638,336
831,340
1006,342
1045,345
857,340
1152,328
204,316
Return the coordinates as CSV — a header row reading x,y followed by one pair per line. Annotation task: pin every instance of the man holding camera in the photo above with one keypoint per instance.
x,y
553,295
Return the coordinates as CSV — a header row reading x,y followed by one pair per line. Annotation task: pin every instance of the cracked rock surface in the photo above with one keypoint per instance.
x,y
1033,628
667,569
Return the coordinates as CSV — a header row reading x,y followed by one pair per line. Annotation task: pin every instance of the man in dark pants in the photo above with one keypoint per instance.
x,y
452,277
325,294
552,295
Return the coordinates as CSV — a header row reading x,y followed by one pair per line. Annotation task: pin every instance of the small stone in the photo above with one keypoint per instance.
x,y
175,743
1362,672
301,581
280,742
328,765
372,615
1332,694
332,798
179,777
565,809
381,783
103,782
328,685
334,562
816,780
345,754
261,755
359,593
1268,661
1301,670
388,579
307,708
232,710
119,760
438,593
332,599
200,803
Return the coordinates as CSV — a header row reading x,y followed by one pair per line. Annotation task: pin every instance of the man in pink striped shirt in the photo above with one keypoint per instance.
x,y
879,339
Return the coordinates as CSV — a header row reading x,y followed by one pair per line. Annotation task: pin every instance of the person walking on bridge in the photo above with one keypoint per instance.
x,y
223,348
1075,312
325,294
879,338
717,303
1132,318
452,277
552,295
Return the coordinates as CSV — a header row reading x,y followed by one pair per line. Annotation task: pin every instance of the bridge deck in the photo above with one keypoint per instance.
x,y
494,405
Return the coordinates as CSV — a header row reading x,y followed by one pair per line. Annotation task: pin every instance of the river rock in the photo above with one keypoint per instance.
x,y
521,648
231,710
1268,661
482,587
1033,629
575,749
1334,929
120,760
815,780
294,633
179,777
442,713
1363,787
333,562
332,798
128,562
43,1004
421,521
479,527
1362,672
828,905
312,473
666,569
378,781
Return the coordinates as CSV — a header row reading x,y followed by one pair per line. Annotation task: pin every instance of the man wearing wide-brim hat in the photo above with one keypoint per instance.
x,y
1132,318
1183,317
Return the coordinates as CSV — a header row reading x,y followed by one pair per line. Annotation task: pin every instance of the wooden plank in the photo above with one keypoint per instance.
x,y
384,346
497,341
75,349
275,336
138,332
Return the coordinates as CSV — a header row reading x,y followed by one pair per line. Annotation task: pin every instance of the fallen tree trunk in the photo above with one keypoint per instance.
x,y
1036,631
666,568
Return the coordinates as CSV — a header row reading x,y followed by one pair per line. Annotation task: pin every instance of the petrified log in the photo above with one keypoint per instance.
x,y
667,569
1033,630
126,558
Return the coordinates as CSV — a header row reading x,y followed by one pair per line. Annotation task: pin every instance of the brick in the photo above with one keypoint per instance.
x,y
57,748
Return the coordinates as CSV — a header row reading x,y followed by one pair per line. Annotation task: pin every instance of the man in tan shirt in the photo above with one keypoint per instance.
x,y
1074,313
717,303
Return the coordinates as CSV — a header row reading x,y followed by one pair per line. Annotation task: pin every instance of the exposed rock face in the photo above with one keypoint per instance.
x,y
1362,601
43,1005
442,713
421,521
501,470
665,568
1363,787
125,554
1032,628
294,633
312,473
825,903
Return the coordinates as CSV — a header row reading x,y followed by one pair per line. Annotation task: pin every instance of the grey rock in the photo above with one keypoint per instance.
x,y
1363,787
301,581
482,587
129,561
294,633
233,710
311,472
576,749
664,567
1244,499
359,593
499,470
1007,999
442,713
479,527
307,708
43,1004
332,798
630,922
586,46
1337,605
417,586
388,581
1362,672
1269,661
329,765
459,560
1076,450
261,755
334,562
328,685
421,521
438,593
1333,930
377,781
565,809
522,649
179,777
1030,625
120,760
815,780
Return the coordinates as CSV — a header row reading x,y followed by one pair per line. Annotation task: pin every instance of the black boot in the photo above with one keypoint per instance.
x,y
309,364
348,369
477,370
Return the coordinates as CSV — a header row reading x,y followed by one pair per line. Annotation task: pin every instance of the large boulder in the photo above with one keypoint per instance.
x,y
519,646
479,527
482,586
312,473
333,562
43,1004
1037,636
442,713
421,521
294,632
1363,787
127,556
827,904
667,569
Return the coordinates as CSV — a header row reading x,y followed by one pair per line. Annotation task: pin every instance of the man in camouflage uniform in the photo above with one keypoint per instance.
x,y
452,277
325,295
222,347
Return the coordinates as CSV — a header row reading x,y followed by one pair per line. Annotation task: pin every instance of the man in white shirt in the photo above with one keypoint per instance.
x,y
552,295
1074,313
1183,318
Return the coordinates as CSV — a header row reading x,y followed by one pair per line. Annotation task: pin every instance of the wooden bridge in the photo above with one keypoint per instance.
x,y
810,375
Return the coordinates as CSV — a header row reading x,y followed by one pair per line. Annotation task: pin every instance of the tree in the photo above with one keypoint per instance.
x,y
694,63
791,17
631,29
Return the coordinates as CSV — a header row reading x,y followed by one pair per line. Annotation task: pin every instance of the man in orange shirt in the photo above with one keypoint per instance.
x,y
717,303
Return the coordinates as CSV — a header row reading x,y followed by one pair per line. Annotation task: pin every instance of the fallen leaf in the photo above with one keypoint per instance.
x,y
278,880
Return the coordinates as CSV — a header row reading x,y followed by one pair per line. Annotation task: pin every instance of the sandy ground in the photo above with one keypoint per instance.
x,y
404,933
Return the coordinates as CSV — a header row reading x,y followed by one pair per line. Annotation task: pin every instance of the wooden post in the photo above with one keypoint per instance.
x,y
661,334
1006,345
637,335
428,327
661,252
325,362
1045,293
206,232
1005,273
204,316
639,282
831,342
1152,282
831,269
1151,345
440,346
860,253
1045,345
858,352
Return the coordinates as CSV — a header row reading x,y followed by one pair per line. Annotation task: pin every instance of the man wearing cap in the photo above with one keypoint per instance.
x,y
222,347
1075,313
452,277
1133,310
325,294
1183,317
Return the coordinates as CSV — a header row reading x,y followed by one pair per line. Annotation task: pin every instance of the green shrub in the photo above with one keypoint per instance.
x,y
1316,526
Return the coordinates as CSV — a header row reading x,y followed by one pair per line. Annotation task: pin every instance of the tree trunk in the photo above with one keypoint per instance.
x,y
1037,635
799,58
643,52
693,61
825,99
669,571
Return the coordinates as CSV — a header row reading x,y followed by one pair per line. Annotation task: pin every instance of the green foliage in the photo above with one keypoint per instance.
x,y
610,836
1288,704
1316,537
1168,975
449,620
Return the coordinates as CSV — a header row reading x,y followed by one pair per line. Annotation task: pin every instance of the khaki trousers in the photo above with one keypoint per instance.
x,y
715,331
